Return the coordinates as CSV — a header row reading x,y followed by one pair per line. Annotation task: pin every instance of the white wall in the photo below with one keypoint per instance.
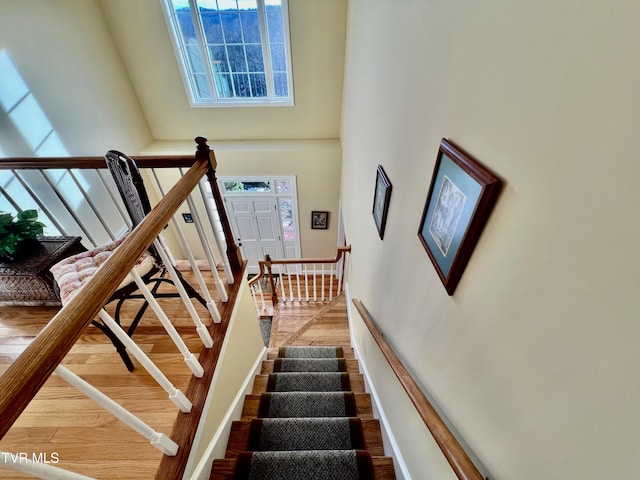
x,y
317,38
67,57
533,359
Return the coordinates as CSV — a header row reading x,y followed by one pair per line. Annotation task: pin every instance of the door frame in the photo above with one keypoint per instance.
x,y
292,249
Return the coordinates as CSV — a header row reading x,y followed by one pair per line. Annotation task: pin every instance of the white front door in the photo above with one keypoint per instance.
x,y
256,226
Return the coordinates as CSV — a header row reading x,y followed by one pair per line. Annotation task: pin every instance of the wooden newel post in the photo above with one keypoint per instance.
x,y
274,292
233,251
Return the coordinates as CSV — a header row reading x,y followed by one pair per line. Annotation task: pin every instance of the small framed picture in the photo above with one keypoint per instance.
x,y
461,196
381,199
319,220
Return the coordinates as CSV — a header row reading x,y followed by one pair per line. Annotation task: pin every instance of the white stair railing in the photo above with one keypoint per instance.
x,y
306,279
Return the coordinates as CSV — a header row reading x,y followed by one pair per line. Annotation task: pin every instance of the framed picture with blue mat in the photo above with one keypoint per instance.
x,y
461,196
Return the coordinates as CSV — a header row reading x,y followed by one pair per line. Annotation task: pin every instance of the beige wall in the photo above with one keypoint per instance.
x,y
67,57
315,163
317,38
534,357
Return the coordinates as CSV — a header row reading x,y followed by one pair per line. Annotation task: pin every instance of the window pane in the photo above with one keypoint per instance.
x,y
223,85
274,24
187,30
250,26
280,82
284,186
254,58
212,27
231,27
241,84
247,186
277,58
258,85
286,216
227,4
218,58
236,58
195,59
201,87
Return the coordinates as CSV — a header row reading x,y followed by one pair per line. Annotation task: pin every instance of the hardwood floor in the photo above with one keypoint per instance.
x,y
88,440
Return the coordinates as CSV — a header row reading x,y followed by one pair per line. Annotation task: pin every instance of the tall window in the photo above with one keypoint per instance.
x,y
232,52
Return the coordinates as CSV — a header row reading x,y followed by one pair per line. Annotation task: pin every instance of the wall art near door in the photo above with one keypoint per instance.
x,y
461,196
319,220
381,199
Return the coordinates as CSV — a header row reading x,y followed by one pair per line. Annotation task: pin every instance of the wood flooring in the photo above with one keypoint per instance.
x,y
88,440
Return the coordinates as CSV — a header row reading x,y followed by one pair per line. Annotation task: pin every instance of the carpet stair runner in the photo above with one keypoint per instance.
x,y
307,418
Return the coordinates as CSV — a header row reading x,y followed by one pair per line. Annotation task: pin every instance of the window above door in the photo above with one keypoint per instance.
x,y
232,52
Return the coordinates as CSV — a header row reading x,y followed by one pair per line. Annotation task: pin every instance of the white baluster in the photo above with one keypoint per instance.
x,y
157,439
219,237
175,395
331,273
222,291
298,280
323,282
315,292
19,462
284,295
200,327
289,280
306,281
189,358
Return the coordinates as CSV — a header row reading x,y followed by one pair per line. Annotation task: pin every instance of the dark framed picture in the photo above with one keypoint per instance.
x,y
461,196
381,199
319,220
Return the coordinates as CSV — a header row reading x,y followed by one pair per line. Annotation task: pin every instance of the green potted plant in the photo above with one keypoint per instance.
x,y
17,229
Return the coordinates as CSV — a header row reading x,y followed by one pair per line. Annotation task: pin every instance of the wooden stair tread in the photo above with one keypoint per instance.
x,y
352,366
355,379
239,437
223,469
362,400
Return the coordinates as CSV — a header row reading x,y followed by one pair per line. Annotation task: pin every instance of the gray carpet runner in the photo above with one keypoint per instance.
x,y
307,404
270,434
308,382
310,352
304,465
306,428
309,365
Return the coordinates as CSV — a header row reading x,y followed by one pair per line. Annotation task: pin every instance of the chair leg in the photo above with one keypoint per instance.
x,y
120,348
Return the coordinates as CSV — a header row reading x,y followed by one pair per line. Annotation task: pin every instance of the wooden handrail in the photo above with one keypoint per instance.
x,y
45,163
452,450
290,261
27,374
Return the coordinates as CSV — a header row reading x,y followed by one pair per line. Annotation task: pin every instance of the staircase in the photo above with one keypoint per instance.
x,y
307,418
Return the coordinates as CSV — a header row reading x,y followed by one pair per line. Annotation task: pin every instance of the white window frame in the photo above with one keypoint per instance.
x,y
270,100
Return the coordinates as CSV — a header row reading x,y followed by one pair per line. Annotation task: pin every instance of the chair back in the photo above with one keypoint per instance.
x,y
130,185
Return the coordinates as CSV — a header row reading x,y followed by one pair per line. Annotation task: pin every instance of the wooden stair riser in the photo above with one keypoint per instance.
x,y
362,401
239,438
352,366
223,469
355,379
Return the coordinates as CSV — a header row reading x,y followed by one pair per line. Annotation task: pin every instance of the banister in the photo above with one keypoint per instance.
x,y
292,261
27,374
38,163
451,448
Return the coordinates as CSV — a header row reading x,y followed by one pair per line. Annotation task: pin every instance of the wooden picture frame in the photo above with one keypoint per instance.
x,y
319,220
461,196
381,199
